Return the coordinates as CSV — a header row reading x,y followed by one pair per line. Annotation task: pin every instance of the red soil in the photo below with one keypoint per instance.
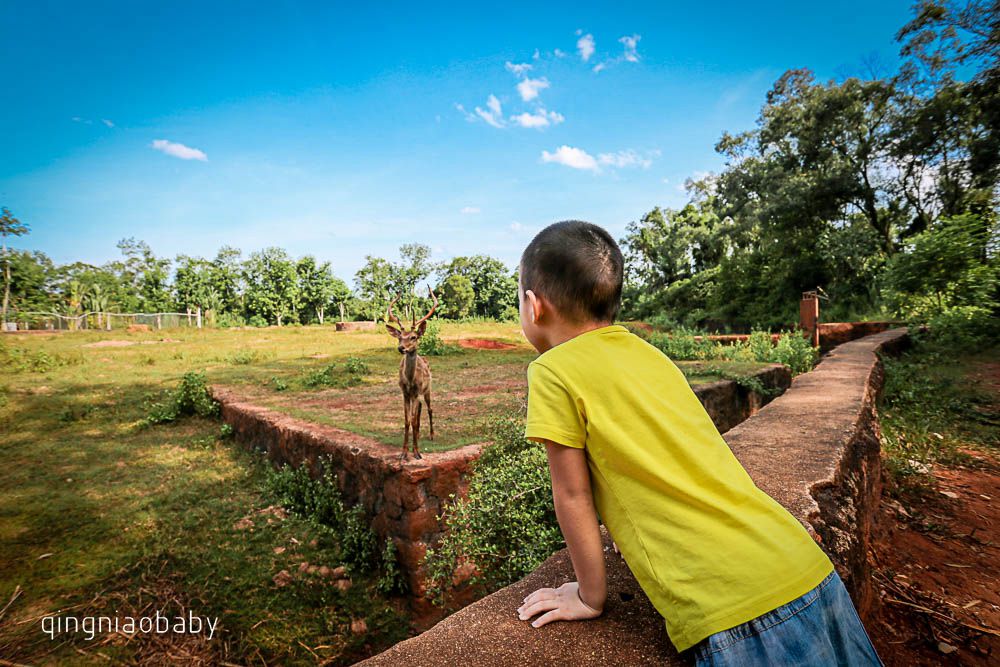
x,y
936,563
484,344
937,572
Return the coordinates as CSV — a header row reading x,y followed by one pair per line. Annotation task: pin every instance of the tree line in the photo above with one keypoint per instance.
x,y
266,287
878,190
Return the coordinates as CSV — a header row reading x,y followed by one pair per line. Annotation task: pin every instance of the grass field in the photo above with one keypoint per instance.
x,y
100,513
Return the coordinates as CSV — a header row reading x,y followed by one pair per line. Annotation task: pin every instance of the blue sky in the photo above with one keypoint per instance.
x,y
341,130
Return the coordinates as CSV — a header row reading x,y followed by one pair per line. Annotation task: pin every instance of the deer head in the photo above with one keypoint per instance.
x,y
409,339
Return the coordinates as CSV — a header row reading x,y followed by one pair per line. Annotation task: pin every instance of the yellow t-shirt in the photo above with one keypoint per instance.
x,y
709,548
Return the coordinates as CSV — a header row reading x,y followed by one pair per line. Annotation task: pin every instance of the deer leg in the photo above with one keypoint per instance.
x,y
406,426
415,425
430,413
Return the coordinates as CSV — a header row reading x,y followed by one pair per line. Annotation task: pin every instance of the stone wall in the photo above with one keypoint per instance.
x,y
402,499
815,449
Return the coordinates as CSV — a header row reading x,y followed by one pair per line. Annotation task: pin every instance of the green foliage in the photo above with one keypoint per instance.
x,y
494,288
257,321
431,343
278,384
244,357
20,360
792,349
929,411
506,526
356,366
348,374
319,501
226,432
190,398
457,296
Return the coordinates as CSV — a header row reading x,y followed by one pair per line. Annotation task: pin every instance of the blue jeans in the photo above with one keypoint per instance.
x,y
821,627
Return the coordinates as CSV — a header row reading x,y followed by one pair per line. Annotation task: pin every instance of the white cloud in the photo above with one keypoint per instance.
x,y
179,150
585,46
536,55
517,70
599,66
627,158
529,88
470,210
559,53
493,113
539,119
470,117
107,122
631,42
571,157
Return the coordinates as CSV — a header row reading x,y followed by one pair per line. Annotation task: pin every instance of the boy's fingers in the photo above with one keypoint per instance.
x,y
554,615
541,591
530,610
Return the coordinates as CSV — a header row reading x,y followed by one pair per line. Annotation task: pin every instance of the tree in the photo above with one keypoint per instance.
x,y
317,286
373,281
493,285
194,287
9,226
271,284
944,264
457,296
145,278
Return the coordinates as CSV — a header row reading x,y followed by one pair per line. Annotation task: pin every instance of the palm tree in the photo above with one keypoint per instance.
x,y
98,302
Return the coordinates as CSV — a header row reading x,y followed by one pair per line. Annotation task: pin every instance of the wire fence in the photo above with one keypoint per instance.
x,y
99,321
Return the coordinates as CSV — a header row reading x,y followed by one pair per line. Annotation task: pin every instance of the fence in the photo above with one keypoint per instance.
x,y
44,321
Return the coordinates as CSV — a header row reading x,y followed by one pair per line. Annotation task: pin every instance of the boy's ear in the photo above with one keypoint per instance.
x,y
534,306
393,331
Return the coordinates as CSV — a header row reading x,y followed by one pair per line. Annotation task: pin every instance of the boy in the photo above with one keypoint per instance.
x,y
737,578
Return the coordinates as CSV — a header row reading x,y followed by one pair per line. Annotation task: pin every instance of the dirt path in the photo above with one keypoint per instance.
x,y
936,563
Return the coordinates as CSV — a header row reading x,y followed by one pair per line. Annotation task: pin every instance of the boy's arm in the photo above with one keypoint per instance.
x,y
574,506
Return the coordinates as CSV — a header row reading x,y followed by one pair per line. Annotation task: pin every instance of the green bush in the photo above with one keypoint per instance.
x,y
506,525
961,328
335,375
431,343
319,501
190,398
792,349
257,321
21,360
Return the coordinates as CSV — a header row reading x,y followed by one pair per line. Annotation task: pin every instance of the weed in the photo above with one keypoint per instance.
x,y
190,398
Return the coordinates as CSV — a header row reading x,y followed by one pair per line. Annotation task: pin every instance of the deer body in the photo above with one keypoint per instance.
x,y
414,377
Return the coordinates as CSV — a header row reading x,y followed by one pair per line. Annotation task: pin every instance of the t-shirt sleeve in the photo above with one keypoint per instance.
x,y
553,413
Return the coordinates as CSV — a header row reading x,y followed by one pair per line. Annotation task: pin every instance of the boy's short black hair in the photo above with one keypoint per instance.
x,y
578,267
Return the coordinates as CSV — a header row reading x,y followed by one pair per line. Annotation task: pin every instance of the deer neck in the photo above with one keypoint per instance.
x,y
409,366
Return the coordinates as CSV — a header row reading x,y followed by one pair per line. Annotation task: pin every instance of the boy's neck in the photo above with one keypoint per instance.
x,y
561,331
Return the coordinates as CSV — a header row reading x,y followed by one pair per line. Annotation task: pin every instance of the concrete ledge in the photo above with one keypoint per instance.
x,y
815,449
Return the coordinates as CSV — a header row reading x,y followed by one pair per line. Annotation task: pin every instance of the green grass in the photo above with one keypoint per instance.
x,y
931,409
100,511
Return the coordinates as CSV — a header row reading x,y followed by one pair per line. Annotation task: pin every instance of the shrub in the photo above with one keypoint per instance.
x,y
506,525
431,343
257,321
320,502
332,375
190,398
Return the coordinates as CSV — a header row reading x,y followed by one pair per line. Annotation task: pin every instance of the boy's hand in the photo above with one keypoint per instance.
x,y
562,604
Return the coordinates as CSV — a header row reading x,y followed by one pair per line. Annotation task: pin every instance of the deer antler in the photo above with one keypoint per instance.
x,y
424,318
389,314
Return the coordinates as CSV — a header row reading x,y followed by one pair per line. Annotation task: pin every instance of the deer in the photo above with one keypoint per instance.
x,y
414,374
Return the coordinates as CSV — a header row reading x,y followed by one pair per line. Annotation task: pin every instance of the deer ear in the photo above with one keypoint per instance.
x,y
421,328
393,331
